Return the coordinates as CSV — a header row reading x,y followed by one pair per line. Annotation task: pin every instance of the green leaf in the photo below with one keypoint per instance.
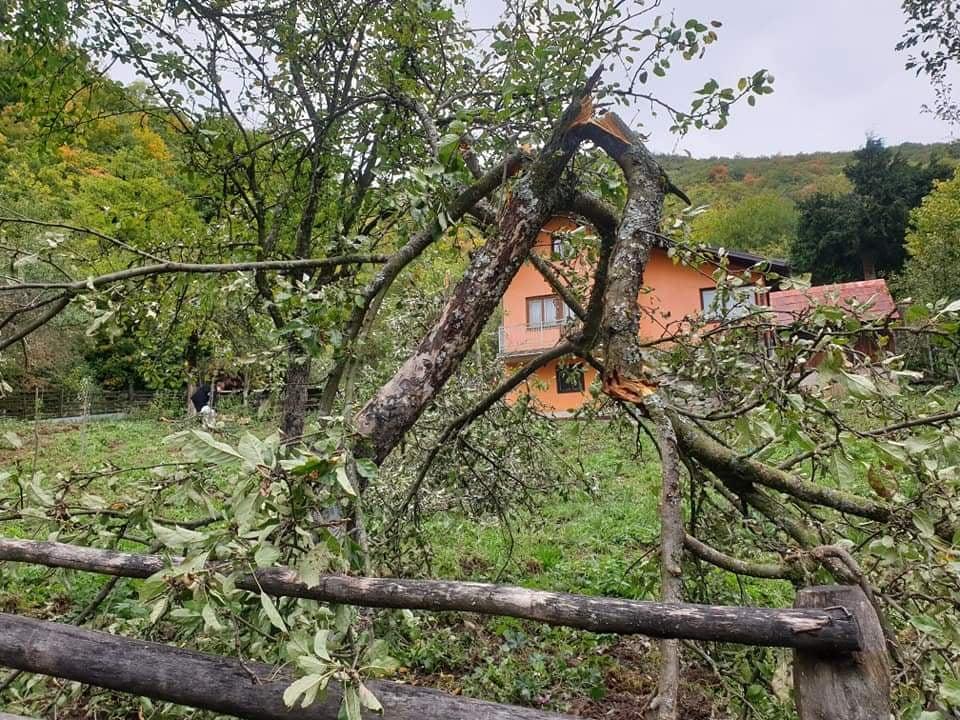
x,y
13,440
159,608
950,691
368,699
202,446
298,688
251,449
320,644
926,624
176,537
313,564
210,618
266,555
271,610
350,707
924,524
344,480
378,659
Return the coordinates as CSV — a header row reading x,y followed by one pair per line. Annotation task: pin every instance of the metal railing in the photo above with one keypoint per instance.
x,y
523,339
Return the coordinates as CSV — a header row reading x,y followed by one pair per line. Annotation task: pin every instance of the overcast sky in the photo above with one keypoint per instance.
x,y
838,76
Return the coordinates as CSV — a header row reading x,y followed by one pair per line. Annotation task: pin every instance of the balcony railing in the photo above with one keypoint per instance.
x,y
523,339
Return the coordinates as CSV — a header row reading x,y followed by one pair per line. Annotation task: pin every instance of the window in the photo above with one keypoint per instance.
x,y
569,378
547,311
732,303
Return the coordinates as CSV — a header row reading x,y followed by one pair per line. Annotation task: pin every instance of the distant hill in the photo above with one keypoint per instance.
x,y
752,199
729,179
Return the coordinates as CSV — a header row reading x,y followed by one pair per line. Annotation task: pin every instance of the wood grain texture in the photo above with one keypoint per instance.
x,y
843,686
830,630
212,682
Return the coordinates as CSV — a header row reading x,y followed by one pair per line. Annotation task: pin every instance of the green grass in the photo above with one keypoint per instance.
x,y
598,538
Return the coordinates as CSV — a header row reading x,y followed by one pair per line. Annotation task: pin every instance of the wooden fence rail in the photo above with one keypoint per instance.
x,y
841,667
212,682
819,630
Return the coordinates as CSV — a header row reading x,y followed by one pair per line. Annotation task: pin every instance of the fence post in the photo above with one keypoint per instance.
x,y
843,686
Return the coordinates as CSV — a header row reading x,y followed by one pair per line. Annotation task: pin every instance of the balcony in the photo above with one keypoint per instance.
x,y
528,339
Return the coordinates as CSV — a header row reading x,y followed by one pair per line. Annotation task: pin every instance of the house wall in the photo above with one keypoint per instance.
x,y
542,385
672,292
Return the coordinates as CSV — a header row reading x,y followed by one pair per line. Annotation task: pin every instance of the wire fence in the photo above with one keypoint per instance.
x,y
63,402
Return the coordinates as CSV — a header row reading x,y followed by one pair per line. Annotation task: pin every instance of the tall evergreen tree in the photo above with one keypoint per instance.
x,y
861,235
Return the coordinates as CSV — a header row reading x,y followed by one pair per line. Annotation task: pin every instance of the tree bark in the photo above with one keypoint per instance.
x,y
821,630
294,397
671,553
212,682
868,264
624,377
726,464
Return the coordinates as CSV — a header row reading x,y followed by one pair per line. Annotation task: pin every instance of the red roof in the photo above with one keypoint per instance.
x,y
866,299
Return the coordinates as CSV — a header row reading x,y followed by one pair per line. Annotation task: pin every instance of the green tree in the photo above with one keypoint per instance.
x,y
932,270
861,235
933,37
765,224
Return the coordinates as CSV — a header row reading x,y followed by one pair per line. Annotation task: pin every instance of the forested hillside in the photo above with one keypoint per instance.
x,y
728,179
752,200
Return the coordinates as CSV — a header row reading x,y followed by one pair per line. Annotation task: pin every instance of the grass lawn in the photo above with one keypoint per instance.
x,y
600,541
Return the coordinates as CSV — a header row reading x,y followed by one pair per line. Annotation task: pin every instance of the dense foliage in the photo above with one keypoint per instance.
x,y
860,235
932,270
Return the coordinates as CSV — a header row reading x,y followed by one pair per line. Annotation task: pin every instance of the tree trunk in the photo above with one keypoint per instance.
x,y
294,399
869,265
671,554
191,388
385,419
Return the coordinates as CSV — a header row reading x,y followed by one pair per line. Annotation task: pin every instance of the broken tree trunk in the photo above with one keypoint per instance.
x,y
533,200
823,630
212,682
624,377
843,686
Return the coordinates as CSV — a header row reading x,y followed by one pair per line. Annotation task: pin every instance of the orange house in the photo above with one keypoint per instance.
x,y
534,315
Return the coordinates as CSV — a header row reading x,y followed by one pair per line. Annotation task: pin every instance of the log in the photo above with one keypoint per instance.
x,y
8,716
843,686
212,682
827,630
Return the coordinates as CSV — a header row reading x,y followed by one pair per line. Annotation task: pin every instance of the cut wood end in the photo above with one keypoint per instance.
x,y
612,125
632,390
586,112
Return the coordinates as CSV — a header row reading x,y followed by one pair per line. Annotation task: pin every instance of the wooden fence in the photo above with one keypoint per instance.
x,y
841,668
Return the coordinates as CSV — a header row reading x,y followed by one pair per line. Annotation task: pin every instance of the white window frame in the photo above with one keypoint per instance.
x,y
740,301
